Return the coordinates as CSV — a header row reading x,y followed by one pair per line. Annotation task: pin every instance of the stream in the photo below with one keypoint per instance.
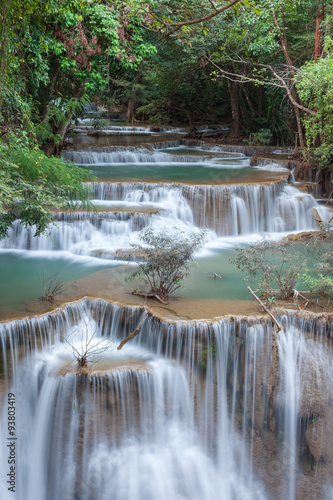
x,y
193,408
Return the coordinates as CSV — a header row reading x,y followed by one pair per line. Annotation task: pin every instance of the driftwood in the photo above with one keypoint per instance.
x,y
329,199
131,335
150,295
215,275
322,197
317,217
279,327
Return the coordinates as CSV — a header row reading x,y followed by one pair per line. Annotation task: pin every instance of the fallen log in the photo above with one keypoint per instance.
x,y
279,327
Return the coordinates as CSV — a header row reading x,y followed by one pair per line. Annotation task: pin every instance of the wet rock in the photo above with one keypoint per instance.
x,y
319,438
272,424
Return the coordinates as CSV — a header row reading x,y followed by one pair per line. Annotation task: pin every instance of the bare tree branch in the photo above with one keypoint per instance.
x,y
131,335
279,327
178,25
239,78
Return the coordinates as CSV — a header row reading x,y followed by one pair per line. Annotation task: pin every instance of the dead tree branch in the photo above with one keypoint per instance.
x,y
131,335
279,327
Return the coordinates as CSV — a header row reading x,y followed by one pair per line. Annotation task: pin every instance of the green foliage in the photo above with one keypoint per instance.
x,y
315,87
166,259
208,351
263,137
268,265
99,124
58,54
58,116
155,111
320,281
319,284
31,184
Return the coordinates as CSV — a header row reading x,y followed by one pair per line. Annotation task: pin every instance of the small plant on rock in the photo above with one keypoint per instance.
x,y
99,124
87,346
52,286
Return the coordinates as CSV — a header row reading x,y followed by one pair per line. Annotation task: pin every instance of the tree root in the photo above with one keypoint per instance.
x,y
131,335
150,295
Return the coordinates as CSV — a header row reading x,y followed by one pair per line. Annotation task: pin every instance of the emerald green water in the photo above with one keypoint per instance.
x,y
178,172
19,282
19,272
201,283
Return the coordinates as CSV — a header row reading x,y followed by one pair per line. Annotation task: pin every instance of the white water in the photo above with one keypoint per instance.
x,y
116,156
154,424
179,412
230,211
139,432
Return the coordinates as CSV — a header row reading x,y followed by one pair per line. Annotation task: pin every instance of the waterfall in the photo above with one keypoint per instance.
x,y
304,398
126,155
195,407
79,233
229,210
156,420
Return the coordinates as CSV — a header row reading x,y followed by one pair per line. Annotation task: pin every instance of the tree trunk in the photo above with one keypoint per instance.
x,y
248,100
319,40
284,46
260,101
235,130
299,125
130,116
54,149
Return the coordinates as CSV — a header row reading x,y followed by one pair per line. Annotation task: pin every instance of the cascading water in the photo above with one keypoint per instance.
x,y
224,409
117,155
227,210
145,415
189,409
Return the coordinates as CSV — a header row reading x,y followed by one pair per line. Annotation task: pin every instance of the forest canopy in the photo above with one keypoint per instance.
x,y
262,68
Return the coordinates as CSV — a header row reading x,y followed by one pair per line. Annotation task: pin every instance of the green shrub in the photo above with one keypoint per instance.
x,y
31,184
263,137
166,258
320,284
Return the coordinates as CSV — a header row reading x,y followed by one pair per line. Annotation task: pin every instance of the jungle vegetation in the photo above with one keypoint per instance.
x,y
261,67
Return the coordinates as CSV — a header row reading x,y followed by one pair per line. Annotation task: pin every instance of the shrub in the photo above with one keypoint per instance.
x,y
269,264
320,284
263,137
99,124
31,183
166,260
52,286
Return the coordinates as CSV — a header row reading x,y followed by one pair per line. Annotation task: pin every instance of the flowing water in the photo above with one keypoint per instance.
x,y
226,409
